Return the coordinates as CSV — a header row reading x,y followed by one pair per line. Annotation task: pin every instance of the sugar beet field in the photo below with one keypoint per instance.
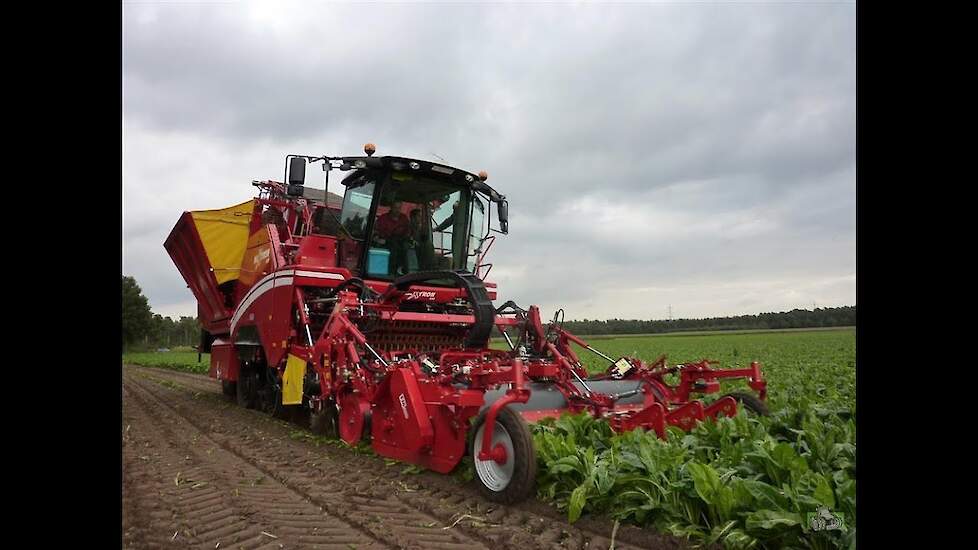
x,y
743,482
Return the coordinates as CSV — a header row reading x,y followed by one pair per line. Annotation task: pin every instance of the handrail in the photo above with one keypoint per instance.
x,y
491,239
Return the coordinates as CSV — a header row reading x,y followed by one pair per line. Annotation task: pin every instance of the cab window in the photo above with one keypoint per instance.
x,y
356,209
419,225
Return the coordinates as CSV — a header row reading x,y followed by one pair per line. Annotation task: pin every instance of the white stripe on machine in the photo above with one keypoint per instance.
x,y
275,280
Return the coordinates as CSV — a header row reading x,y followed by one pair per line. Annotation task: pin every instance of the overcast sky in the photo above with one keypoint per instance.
x,y
698,155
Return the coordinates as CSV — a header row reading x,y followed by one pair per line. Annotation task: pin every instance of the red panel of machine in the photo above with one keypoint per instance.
x,y
450,442
317,251
316,276
401,416
224,361
268,307
438,317
427,427
422,293
279,322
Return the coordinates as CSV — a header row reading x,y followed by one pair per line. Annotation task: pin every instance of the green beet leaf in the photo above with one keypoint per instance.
x,y
772,519
576,503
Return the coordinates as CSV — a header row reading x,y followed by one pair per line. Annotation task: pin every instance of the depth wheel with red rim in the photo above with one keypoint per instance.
x,y
511,475
354,420
750,402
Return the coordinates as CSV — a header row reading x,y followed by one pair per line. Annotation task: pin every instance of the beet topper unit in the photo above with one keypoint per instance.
x,y
372,312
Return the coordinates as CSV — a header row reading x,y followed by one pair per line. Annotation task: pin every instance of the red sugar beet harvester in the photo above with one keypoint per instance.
x,y
372,313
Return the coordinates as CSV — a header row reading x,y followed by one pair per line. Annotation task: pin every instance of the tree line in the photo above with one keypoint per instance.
x,y
797,318
142,329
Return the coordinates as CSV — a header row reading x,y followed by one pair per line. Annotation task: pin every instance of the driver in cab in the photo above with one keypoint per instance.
x,y
394,231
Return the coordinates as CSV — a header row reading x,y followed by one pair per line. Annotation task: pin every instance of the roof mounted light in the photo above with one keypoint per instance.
x,y
360,163
370,149
483,175
415,165
469,178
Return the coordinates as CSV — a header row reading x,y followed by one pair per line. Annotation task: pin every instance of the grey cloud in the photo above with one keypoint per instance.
x,y
723,136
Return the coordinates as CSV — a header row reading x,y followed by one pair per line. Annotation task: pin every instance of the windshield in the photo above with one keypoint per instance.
x,y
419,224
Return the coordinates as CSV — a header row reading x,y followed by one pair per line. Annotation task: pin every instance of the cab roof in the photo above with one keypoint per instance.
x,y
421,167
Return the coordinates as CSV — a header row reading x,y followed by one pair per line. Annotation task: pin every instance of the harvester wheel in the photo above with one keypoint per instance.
x,y
229,388
750,402
515,479
247,389
324,422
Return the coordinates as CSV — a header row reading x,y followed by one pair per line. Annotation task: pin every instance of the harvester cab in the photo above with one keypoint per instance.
x,y
372,314
401,215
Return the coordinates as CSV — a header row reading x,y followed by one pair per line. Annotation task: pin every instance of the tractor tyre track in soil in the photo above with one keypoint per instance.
x,y
369,497
208,498
282,508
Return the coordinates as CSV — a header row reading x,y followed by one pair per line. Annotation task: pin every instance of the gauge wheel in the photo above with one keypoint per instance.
x,y
750,402
514,478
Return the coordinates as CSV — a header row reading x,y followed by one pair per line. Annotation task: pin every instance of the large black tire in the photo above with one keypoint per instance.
x,y
247,389
324,422
229,388
750,402
523,476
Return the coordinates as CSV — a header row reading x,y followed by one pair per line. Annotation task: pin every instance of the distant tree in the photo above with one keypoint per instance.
x,y
136,314
796,318
157,330
188,331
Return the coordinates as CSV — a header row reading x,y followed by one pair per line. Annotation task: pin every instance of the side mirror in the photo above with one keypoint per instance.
x,y
297,171
297,175
504,216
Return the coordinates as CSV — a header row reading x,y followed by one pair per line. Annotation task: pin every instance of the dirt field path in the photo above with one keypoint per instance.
x,y
200,472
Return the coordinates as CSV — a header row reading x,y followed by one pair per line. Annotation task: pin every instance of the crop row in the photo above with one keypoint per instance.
x,y
783,481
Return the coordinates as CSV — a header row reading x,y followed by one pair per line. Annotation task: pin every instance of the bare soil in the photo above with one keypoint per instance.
x,y
200,472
